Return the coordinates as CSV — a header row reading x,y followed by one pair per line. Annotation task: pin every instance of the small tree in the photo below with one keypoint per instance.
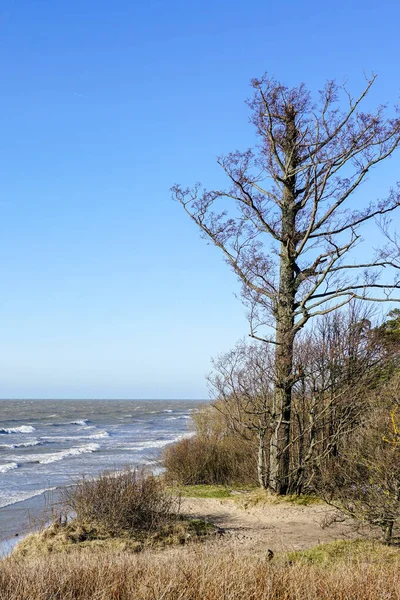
x,y
286,228
242,381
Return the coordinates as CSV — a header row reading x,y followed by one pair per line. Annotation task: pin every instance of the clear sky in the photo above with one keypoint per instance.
x,y
106,289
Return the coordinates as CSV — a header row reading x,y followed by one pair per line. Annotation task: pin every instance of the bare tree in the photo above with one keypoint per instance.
x,y
286,225
242,382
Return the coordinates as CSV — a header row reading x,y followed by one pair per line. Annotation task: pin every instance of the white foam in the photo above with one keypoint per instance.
x,y
160,443
22,429
73,438
98,436
45,459
8,467
50,458
81,422
154,444
7,500
26,444
177,418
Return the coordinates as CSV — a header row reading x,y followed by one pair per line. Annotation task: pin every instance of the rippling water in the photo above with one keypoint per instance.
x,y
45,444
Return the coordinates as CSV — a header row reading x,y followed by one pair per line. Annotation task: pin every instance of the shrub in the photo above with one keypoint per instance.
x,y
121,501
208,460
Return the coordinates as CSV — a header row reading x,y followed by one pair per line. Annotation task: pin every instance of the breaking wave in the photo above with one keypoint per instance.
x,y
160,443
178,418
22,429
50,458
45,459
72,438
26,444
8,467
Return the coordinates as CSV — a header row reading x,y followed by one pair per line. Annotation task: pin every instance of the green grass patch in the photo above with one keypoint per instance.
x,y
302,500
244,494
344,552
203,491
260,497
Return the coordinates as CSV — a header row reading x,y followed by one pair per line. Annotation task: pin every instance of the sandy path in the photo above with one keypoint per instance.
x,y
269,526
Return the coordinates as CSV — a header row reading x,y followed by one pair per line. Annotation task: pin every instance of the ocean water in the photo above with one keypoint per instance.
x,y
47,444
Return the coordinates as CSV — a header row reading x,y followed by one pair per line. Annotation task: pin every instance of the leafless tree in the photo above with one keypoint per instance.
x,y
242,382
288,226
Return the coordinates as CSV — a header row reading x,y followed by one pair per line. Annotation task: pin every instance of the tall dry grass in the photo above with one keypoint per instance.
x,y
201,573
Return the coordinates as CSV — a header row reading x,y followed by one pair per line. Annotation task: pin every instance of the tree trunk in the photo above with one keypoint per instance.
x,y
282,399
261,465
388,532
284,313
282,404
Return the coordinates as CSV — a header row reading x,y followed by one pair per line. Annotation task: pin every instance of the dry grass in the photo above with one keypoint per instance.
x,y
198,573
98,560
126,510
75,537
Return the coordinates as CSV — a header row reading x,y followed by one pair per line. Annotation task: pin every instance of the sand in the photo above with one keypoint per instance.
x,y
279,527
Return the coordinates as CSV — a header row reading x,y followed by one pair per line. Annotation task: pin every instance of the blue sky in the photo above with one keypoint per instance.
x,y
106,288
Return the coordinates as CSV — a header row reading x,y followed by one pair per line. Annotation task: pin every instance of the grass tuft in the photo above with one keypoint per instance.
x,y
345,552
203,491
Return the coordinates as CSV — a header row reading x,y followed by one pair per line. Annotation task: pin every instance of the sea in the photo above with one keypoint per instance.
x,y
46,445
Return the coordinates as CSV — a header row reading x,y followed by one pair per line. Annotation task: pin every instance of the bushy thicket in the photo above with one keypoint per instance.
x,y
214,455
364,480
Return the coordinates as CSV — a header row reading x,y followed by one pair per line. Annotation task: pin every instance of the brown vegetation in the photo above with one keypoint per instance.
x,y
201,574
125,510
121,501
343,364
214,456
364,481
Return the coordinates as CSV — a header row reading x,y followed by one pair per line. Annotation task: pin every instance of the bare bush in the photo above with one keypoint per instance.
x,y
242,381
121,501
340,364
